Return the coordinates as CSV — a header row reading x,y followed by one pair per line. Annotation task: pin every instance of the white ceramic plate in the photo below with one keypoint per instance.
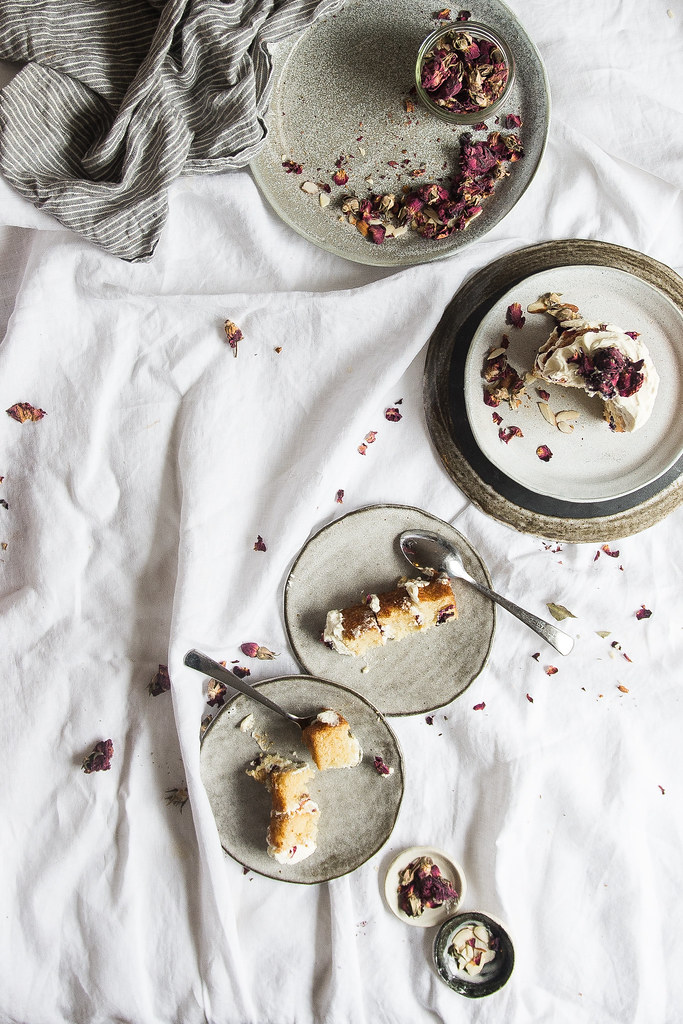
x,y
449,869
358,554
358,806
593,463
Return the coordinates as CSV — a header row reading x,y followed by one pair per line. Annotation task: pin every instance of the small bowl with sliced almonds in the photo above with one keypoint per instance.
x,y
473,954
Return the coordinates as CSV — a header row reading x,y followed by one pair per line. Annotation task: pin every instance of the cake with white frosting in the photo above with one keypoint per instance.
x,y
331,742
293,825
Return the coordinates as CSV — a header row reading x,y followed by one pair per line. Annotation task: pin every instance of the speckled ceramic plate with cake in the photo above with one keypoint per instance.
x,y
358,555
590,462
357,806
341,93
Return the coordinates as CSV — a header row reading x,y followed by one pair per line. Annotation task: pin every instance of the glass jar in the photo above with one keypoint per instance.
x,y
478,32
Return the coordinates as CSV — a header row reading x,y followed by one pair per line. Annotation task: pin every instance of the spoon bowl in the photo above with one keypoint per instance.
x,y
431,554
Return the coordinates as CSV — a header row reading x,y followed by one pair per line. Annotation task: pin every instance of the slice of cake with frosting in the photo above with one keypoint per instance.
x,y
413,606
602,360
293,825
331,742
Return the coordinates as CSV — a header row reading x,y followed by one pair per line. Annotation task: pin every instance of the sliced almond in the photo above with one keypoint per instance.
x,y
567,415
547,413
495,353
565,427
324,199
310,188
482,932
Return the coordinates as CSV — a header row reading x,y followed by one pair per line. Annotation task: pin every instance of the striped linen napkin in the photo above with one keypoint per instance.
x,y
118,98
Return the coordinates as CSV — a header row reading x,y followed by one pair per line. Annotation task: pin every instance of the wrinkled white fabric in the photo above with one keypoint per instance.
x,y
134,506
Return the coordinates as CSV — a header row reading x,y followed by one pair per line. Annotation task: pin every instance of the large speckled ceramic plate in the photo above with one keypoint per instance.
x,y
359,554
358,807
341,90
592,463
491,490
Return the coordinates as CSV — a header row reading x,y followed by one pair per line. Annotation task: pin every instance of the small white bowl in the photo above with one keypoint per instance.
x,y
450,870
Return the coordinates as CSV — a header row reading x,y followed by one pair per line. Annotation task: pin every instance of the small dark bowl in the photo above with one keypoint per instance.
x,y
493,975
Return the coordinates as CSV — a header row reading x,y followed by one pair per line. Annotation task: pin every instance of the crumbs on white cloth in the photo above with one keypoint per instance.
x,y
118,99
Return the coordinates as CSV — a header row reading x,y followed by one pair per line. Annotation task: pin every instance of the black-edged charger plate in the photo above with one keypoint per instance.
x,y
443,392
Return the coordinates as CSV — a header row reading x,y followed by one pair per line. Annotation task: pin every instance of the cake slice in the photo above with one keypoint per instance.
x,y
602,360
293,826
414,606
293,837
331,742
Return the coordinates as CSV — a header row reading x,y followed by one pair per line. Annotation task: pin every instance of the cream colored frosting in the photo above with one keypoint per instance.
x,y
553,364
334,631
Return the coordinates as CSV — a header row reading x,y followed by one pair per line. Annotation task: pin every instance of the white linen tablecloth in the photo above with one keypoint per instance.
x,y
132,511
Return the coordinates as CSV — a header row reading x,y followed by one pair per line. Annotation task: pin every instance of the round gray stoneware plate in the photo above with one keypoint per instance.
x,y
593,463
359,554
493,491
358,807
493,975
340,90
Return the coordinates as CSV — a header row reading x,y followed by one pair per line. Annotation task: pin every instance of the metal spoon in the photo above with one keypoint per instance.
x,y
202,663
430,553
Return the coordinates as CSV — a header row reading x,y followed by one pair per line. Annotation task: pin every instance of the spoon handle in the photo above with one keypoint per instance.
x,y
202,663
562,642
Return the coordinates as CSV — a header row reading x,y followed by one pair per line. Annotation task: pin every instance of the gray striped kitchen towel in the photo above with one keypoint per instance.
x,y
118,98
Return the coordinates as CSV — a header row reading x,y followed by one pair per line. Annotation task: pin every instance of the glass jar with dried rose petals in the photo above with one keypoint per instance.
x,y
464,74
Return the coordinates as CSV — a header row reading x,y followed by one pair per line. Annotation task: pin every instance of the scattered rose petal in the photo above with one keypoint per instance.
x,y
497,418
608,551
160,681
370,437
381,767
253,650
559,612
529,698
339,496
292,167
429,719
536,655
177,797
259,545
662,789
514,316
463,16
22,412
543,394
278,349
544,453
513,121
240,671
215,695
443,15
643,612
340,177
507,433
233,335
99,758
550,670
624,689
479,707
362,448
4,503
393,415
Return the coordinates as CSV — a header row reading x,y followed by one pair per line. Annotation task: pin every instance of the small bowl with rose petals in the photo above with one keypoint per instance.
x,y
423,886
464,73
473,954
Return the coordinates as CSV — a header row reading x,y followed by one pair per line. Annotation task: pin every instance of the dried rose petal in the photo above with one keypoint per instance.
x,y
513,121
608,551
643,612
463,16
624,689
160,682
550,670
544,453
662,789
497,418
99,758
259,545
381,767
530,698
253,650
215,694
340,177
4,503
543,394
22,412
507,433
339,496
442,15
479,707
233,335
177,797
292,167
514,316
362,449
429,719
393,415
370,437
536,655
240,671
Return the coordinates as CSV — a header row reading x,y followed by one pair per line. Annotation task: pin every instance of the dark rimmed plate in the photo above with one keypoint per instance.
x,y
341,90
358,806
493,976
443,394
359,553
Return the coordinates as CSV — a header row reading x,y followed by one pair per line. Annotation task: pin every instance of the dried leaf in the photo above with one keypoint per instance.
x,y
559,612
